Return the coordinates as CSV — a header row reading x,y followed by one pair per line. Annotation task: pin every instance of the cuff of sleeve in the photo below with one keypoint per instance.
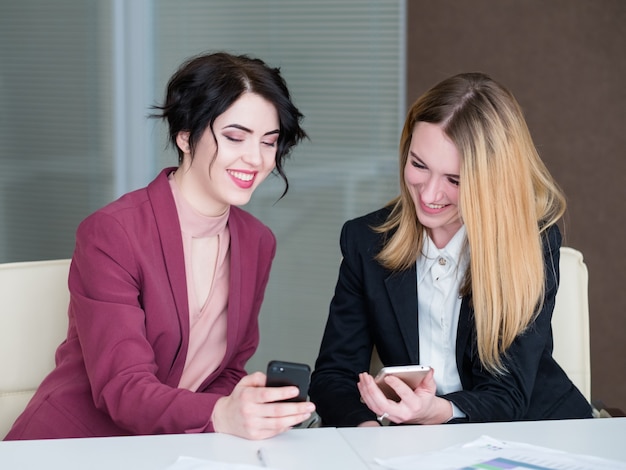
x,y
456,412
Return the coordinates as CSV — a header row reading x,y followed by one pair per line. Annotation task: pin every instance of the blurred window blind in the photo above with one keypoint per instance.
x,y
68,80
55,115
344,63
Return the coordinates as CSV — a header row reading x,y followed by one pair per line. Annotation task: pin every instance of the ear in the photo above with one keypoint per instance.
x,y
182,141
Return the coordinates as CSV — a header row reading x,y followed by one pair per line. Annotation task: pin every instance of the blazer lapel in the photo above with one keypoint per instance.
x,y
402,290
236,283
166,217
463,333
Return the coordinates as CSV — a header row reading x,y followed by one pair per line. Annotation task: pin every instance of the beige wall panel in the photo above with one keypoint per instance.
x,y
565,61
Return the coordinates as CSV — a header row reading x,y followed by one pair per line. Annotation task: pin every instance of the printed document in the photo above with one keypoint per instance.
x,y
487,453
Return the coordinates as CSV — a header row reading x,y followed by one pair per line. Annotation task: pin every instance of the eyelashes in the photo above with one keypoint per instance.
x,y
230,138
420,166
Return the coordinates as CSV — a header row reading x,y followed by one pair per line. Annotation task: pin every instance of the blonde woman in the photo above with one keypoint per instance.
x,y
460,272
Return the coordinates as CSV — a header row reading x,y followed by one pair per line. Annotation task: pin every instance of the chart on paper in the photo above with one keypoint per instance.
x,y
506,464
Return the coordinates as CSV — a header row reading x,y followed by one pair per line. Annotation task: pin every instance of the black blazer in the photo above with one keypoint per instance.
x,y
373,306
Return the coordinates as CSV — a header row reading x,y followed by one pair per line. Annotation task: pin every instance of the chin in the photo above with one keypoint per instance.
x,y
240,201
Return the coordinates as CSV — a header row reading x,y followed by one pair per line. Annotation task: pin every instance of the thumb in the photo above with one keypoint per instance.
x,y
429,380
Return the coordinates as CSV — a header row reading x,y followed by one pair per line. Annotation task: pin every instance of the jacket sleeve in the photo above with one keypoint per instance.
x,y
486,397
346,346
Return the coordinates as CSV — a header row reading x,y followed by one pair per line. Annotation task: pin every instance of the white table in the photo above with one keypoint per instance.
x,y
324,448
304,449
602,437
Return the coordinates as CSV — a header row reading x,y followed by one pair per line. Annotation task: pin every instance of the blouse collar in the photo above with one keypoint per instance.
x,y
193,222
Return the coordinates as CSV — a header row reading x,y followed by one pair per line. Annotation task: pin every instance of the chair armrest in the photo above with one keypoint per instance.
x,y
607,412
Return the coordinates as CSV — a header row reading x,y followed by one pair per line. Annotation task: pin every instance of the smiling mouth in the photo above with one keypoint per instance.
x,y
435,206
241,175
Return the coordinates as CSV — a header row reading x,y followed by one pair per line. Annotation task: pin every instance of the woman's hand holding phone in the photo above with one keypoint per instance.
x,y
417,405
256,411
411,375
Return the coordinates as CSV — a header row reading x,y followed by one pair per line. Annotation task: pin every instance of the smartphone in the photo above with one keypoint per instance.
x,y
283,373
411,375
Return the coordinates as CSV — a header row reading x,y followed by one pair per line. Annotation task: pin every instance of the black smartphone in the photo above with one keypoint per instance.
x,y
283,373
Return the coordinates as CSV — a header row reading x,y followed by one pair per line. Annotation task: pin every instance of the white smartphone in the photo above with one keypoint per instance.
x,y
411,375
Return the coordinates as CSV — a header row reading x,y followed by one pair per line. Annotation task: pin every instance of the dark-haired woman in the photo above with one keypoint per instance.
x,y
166,283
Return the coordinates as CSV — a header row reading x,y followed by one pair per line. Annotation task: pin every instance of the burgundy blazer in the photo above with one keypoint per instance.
x,y
118,370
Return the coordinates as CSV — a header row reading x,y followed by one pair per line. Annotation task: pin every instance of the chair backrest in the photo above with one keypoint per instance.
x,y
34,299
570,323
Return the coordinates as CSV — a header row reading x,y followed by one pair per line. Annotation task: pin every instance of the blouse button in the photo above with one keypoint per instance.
x,y
442,261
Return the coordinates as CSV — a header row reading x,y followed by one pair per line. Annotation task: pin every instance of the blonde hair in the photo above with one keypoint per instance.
x,y
507,199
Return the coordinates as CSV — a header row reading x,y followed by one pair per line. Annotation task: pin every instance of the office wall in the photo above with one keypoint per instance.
x,y
565,61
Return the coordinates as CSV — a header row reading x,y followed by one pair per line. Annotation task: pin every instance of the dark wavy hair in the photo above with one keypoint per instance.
x,y
208,84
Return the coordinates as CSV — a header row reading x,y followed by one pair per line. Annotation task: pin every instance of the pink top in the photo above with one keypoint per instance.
x,y
206,242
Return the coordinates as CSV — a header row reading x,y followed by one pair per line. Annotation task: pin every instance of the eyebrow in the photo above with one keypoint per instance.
x,y
449,175
249,131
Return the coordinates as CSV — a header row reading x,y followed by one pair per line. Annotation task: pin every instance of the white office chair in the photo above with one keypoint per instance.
x,y
570,322
34,298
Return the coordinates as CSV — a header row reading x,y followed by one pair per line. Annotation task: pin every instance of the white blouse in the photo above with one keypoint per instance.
x,y
440,273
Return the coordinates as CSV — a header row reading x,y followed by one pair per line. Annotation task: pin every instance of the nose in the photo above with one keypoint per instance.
x,y
431,190
252,154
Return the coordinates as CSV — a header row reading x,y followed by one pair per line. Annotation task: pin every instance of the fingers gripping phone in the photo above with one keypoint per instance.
x,y
282,374
412,375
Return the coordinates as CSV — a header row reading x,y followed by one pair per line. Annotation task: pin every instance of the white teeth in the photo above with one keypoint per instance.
x,y
241,176
435,206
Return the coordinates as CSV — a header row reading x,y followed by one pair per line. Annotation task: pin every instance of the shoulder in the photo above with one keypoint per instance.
x,y
551,240
134,211
139,197
123,210
137,208
365,224
552,236
360,234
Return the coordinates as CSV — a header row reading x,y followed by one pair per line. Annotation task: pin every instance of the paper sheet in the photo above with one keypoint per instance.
x,y
492,454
